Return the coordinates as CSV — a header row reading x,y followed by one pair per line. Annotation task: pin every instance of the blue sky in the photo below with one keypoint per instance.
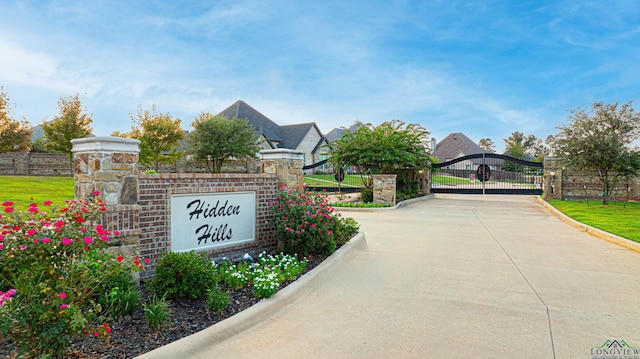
x,y
485,68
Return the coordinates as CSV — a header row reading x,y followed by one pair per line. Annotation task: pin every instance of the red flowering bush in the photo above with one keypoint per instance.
x,y
305,222
54,265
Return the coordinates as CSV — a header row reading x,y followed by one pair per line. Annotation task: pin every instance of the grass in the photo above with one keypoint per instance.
x,y
316,180
614,218
23,190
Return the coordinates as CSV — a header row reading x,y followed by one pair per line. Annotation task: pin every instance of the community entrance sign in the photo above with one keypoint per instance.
x,y
205,221
487,173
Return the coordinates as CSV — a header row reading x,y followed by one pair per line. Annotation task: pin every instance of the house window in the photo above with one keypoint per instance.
x,y
468,167
453,167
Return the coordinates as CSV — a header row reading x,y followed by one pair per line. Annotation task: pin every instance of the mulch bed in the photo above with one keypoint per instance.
x,y
131,336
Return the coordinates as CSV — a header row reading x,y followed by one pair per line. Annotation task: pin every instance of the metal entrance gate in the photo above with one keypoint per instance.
x,y
487,173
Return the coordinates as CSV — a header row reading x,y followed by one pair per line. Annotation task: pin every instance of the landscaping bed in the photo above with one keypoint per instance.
x,y
131,336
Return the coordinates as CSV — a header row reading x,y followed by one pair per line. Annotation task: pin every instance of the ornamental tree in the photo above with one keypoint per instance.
x,y
487,144
159,136
380,149
599,142
71,123
218,138
15,136
522,147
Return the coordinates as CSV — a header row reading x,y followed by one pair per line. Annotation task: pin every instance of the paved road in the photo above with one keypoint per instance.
x,y
458,277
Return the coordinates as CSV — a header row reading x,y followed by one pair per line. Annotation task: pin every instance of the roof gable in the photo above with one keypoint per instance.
x,y
456,145
260,122
337,133
294,134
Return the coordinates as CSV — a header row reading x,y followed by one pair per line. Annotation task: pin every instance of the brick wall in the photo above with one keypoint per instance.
x,y
155,192
34,164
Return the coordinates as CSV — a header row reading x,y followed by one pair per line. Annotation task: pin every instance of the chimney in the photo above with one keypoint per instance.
x,y
433,144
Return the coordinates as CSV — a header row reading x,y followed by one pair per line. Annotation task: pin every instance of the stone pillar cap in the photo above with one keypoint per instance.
x,y
105,144
281,153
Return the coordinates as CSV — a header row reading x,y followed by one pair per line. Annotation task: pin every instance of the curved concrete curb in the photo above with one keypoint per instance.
x,y
610,237
382,209
197,344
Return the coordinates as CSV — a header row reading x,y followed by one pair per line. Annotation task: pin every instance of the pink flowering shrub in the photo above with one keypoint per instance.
x,y
305,222
53,269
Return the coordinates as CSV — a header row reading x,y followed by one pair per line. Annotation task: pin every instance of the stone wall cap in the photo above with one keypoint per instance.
x,y
105,144
385,175
281,153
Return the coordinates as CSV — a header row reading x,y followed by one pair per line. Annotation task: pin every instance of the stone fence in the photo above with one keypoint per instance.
x,y
34,164
566,184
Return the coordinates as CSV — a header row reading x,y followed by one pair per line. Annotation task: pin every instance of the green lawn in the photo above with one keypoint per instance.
x,y
23,190
449,180
316,180
614,218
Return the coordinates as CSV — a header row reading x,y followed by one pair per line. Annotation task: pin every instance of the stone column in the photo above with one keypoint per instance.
x,y
384,189
552,179
425,181
286,164
110,165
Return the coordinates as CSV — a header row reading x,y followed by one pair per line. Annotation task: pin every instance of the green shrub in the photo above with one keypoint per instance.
x,y
183,275
217,299
157,312
366,195
346,228
117,292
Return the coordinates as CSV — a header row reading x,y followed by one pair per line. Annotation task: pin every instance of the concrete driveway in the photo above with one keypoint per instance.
x,y
456,276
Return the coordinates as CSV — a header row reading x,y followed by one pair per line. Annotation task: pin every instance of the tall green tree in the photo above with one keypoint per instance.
x,y
381,149
525,147
599,142
72,122
487,144
216,139
159,135
15,136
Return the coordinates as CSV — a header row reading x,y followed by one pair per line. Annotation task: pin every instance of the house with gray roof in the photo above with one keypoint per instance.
x,y
337,133
457,145
304,137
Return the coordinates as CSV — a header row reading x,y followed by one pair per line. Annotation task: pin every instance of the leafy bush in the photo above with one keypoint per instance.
x,y
305,222
183,275
346,228
157,312
217,299
117,291
53,262
366,195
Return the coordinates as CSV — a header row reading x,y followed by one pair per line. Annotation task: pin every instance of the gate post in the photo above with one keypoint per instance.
x,y
384,189
286,164
110,165
552,178
425,181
